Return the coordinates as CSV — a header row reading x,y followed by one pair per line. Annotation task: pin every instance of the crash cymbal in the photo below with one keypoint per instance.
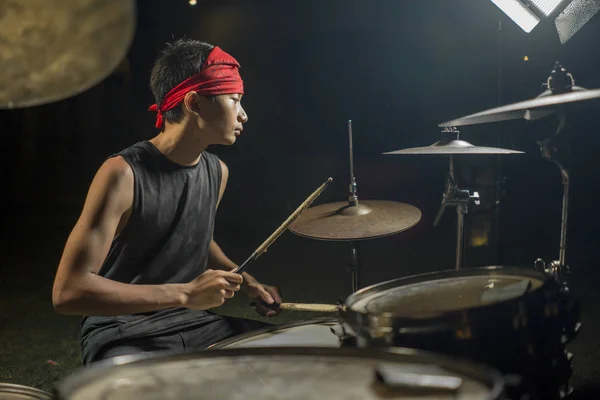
x,y
446,147
54,49
561,91
530,109
368,220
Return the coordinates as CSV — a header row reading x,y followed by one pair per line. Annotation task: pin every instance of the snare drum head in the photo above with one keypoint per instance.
x,y
308,333
9,391
300,373
444,292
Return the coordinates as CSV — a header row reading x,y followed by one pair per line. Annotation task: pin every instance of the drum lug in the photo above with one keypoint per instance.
x,y
555,270
552,269
381,327
539,265
345,334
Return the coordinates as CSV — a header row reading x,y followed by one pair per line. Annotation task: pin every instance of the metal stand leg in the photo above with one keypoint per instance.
x,y
550,150
562,255
354,266
461,210
461,199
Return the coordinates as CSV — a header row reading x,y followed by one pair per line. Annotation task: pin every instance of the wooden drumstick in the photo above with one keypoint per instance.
x,y
263,247
314,307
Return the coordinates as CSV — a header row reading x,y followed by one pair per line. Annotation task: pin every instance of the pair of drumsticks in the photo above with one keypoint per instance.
x,y
265,245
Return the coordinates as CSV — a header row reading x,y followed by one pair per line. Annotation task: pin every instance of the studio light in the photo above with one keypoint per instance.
x,y
570,15
519,13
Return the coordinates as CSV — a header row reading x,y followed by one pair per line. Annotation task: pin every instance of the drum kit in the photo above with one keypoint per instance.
x,y
491,332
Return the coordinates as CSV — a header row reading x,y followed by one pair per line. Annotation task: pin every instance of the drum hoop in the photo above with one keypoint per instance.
x,y
480,372
269,329
24,390
432,276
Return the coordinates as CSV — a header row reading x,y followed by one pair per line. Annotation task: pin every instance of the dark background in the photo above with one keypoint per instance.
x,y
396,69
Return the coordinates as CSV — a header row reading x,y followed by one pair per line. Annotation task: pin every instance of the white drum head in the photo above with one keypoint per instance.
x,y
445,295
301,334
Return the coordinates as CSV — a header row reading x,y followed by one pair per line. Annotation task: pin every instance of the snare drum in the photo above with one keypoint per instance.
x,y
283,373
10,391
318,332
515,320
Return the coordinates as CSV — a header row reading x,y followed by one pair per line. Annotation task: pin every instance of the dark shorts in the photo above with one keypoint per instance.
x,y
134,337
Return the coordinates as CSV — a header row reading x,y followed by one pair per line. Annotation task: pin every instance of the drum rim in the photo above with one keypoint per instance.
x,y
438,275
477,371
22,389
274,328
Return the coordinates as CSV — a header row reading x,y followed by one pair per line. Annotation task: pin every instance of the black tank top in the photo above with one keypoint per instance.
x,y
167,236
171,224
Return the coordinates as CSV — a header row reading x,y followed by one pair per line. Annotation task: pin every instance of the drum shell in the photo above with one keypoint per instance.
x,y
336,336
119,369
524,336
10,391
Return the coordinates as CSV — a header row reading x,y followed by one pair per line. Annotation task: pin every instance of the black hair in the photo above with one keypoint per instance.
x,y
177,62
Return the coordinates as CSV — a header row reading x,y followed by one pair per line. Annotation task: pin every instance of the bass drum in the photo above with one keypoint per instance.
x,y
318,332
283,373
10,391
514,319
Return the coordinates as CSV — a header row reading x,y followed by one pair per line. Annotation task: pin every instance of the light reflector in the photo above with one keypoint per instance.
x,y
522,15
574,16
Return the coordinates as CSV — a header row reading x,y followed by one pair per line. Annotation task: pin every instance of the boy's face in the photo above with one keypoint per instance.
x,y
222,117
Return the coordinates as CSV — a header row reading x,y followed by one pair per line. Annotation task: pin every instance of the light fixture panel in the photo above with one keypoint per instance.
x,y
546,7
519,13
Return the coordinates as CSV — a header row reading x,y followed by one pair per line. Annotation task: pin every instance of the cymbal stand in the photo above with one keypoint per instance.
x,y
559,81
352,197
549,148
354,266
354,208
460,199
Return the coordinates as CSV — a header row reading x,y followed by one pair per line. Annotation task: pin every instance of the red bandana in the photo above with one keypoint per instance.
x,y
219,75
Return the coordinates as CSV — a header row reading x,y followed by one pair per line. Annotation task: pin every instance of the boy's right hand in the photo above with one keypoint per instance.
x,y
211,288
